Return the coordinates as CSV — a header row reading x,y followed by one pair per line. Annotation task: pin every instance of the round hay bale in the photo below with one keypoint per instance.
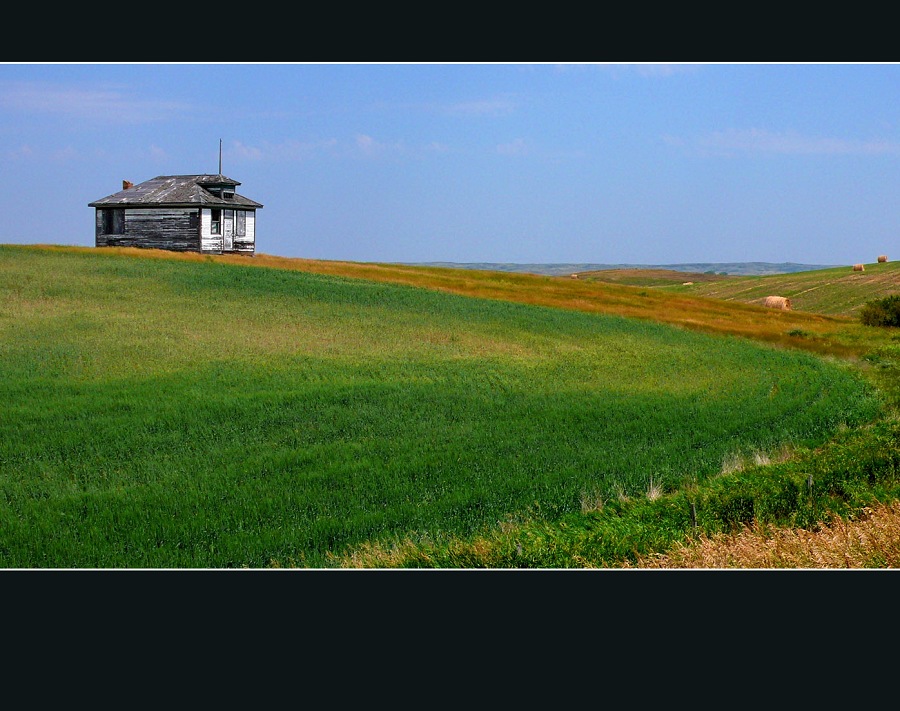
x,y
778,302
882,258
859,267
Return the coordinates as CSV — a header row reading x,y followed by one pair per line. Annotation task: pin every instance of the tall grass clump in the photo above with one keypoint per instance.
x,y
166,413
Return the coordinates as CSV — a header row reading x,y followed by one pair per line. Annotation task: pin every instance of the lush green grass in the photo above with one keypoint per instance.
x,y
856,471
166,413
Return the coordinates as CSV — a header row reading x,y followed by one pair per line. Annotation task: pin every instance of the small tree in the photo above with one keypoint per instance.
x,y
881,312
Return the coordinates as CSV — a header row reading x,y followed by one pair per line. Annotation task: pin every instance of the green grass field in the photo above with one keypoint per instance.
x,y
175,414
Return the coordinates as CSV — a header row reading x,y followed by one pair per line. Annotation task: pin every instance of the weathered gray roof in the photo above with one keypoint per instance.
x,y
176,191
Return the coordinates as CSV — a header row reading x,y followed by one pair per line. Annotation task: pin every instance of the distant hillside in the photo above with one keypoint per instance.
x,y
563,269
651,277
836,291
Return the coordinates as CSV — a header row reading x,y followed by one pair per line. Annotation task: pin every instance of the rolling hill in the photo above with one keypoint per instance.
x,y
174,410
838,335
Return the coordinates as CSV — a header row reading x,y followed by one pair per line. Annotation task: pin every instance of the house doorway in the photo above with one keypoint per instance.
x,y
228,230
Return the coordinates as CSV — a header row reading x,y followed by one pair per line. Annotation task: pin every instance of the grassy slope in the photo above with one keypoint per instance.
x,y
821,334
858,542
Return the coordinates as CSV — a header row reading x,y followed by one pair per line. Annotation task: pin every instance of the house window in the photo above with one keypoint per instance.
x,y
216,227
114,221
240,226
194,220
228,196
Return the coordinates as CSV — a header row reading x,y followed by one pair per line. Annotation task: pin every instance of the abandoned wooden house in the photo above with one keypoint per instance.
x,y
181,213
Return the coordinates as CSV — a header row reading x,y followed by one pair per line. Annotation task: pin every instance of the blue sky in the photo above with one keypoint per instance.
x,y
522,163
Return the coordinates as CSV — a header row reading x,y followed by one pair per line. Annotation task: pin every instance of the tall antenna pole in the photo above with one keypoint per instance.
x,y
220,156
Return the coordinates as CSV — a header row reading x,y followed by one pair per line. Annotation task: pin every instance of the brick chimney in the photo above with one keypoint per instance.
x,y
127,184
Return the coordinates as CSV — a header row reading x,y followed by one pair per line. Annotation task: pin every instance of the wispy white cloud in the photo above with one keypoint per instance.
x,y
501,106
24,151
158,154
69,153
515,147
286,150
650,70
660,70
754,140
28,153
65,154
370,147
360,145
112,104
244,151
521,147
367,144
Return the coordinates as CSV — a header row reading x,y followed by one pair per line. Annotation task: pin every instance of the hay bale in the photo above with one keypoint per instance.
x,y
882,258
859,268
778,302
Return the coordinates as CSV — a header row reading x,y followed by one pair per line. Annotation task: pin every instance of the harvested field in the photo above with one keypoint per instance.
x,y
833,292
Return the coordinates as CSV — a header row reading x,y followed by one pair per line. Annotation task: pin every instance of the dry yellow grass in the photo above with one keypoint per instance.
x,y
870,541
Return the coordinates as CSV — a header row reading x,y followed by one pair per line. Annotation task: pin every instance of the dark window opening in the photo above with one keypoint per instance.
x,y
216,226
228,196
114,221
194,220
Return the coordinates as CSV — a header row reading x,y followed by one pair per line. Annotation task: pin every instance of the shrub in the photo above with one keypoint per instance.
x,y
881,312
